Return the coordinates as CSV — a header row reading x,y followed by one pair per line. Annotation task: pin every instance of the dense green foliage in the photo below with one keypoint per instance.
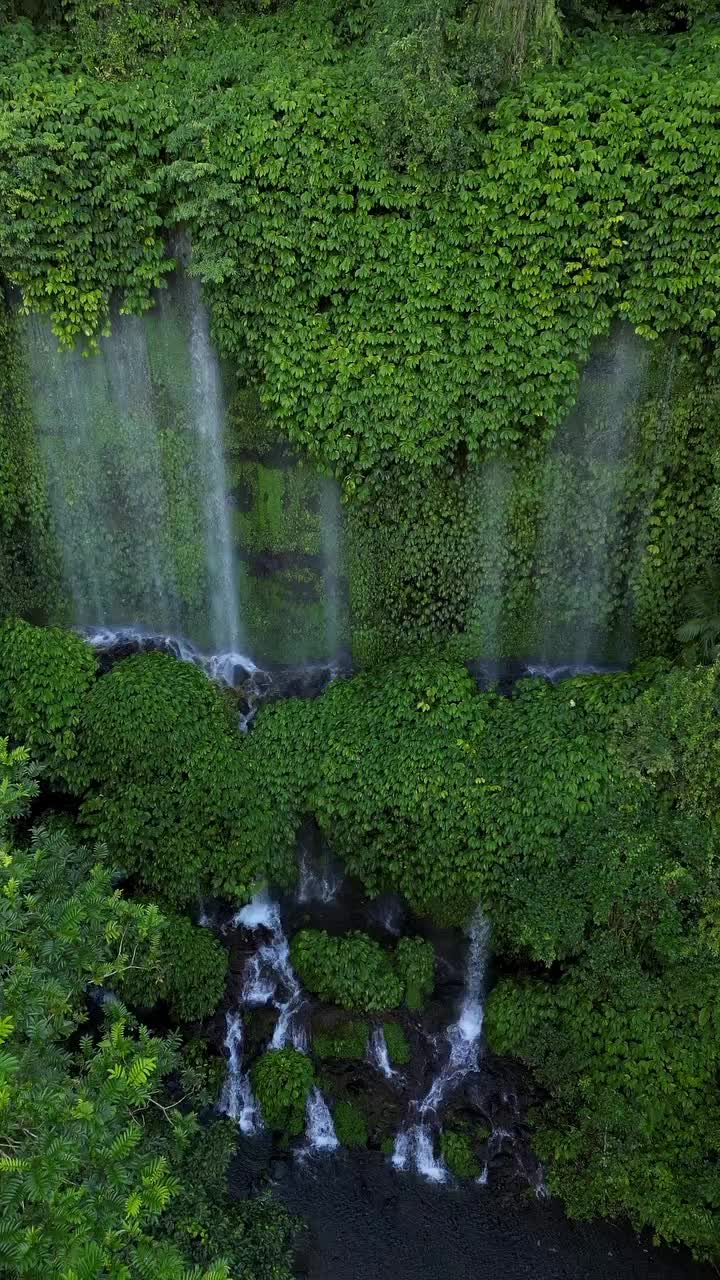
x,y
415,965
349,1040
191,971
160,769
282,1080
397,1044
91,1145
457,1152
352,971
350,1125
28,572
45,675
393,317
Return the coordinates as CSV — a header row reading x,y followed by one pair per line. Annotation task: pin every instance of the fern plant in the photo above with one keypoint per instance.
x,y
700,635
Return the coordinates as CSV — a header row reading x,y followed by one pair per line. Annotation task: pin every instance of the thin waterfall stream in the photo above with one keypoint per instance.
x,y
414,1146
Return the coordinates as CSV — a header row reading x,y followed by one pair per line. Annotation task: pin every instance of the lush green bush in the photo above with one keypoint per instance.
x,y
350,1125
28,563
160,768
352,971
282,1080
89,1137
457,1152
498,304
347,1041
190,975
45,677
397,1044
255,1237
415,964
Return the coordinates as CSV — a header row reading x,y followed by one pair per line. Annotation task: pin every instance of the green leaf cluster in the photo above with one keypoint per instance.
x,y
282,1080
45,675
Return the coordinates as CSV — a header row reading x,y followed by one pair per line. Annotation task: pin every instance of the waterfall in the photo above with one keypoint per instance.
x,y
320,1130
378,1055
414,1148
208,415
581,592
414,1143
269,976
317,884
132,444
101,442
236,1100
331,535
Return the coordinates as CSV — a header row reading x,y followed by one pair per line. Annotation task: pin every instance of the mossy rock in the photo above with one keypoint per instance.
x,y
397,1044
350,1125
348,1041
457,1152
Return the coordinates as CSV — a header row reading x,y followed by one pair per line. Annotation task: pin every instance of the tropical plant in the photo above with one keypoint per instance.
x,y
45,675
700,634
415,964
350,1125
353,971
83,1186
282,1080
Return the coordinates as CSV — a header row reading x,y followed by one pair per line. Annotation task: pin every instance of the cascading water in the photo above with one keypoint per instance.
x,y
132,442
269,975
208,414
317,883
331,540
237,1101
414,1144
378,1056
582,594
102,445
320,1130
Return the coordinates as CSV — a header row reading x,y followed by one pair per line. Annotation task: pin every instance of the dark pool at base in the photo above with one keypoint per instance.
x,y
364,1221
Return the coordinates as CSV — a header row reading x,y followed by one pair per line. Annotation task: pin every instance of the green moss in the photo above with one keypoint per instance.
x,y
348,1041
457,1152
397,1044
350,1125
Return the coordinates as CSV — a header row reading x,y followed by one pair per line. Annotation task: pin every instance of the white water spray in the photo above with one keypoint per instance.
x,y
377,1054
269,975
208,413
414,1144
320,1130
237,1101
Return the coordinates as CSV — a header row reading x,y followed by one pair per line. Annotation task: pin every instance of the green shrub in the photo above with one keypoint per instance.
x,y
161,767
456,1150
415,963
190,974
201,1073
352,971
347,1041
282,1081
350,1125
397,1044
46,675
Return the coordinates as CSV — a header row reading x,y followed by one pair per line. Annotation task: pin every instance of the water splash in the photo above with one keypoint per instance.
x,y
317,884
321,1137
208,414
236,1100
414,1149
377,1054
269,976
414,1145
